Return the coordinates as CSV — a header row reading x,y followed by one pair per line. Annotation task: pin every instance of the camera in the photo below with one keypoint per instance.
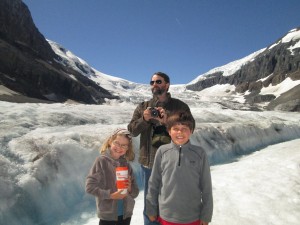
x,y
154,112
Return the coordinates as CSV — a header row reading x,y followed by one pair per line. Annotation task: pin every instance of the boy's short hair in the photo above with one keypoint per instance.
x,y
180,117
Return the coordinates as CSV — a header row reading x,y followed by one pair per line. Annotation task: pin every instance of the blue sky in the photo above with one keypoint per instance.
x,y
132,39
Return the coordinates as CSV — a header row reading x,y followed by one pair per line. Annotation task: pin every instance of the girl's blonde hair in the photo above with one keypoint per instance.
x,y
129,155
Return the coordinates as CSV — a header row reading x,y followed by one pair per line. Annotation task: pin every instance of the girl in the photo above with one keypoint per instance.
x,y
113,207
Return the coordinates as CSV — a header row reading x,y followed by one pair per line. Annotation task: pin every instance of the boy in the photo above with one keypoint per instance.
x,y
180,189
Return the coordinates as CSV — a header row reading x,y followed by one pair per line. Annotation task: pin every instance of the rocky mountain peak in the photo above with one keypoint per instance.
x,y
18,29
29,66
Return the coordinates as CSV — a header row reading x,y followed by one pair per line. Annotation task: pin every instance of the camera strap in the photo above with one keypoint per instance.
x,y
160,136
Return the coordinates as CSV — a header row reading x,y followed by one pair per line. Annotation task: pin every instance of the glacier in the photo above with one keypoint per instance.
x,y
47,150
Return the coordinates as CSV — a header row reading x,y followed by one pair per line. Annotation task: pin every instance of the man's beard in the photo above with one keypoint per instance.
x,y
158,91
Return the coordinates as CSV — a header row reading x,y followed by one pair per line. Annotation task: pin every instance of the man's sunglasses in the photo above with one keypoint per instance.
x,y
155,81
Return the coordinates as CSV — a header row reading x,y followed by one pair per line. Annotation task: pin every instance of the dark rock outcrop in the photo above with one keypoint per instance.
x,y
29,66
289,101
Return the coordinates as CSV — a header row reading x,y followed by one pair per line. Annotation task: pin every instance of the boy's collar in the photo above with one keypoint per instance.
x,y
184,145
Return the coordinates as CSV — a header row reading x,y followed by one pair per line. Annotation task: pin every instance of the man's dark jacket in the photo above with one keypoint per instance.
x,y
138,126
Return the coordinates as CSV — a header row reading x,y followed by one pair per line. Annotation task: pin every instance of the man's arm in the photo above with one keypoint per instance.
x,y
138,123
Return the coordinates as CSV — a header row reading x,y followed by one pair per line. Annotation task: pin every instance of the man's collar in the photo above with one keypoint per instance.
x,y
168,96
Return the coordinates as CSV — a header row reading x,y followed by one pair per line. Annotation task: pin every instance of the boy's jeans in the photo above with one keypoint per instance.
x,y
146,175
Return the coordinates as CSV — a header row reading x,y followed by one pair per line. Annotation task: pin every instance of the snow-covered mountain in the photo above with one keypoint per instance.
x,y
269,77
126,90
262,86
35,70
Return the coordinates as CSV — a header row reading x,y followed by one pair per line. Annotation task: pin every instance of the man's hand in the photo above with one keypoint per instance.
x,y
163,115
162,118
147,114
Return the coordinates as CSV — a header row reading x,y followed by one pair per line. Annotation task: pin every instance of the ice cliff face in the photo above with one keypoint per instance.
x,y
46,150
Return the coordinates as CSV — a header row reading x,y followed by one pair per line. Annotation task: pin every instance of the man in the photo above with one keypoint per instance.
x,y
148,121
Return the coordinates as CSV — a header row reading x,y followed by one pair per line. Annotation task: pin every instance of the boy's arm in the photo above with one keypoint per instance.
x,y
154,186
207,197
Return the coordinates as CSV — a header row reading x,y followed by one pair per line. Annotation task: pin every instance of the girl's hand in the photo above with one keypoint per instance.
x,y
117,195
203,223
